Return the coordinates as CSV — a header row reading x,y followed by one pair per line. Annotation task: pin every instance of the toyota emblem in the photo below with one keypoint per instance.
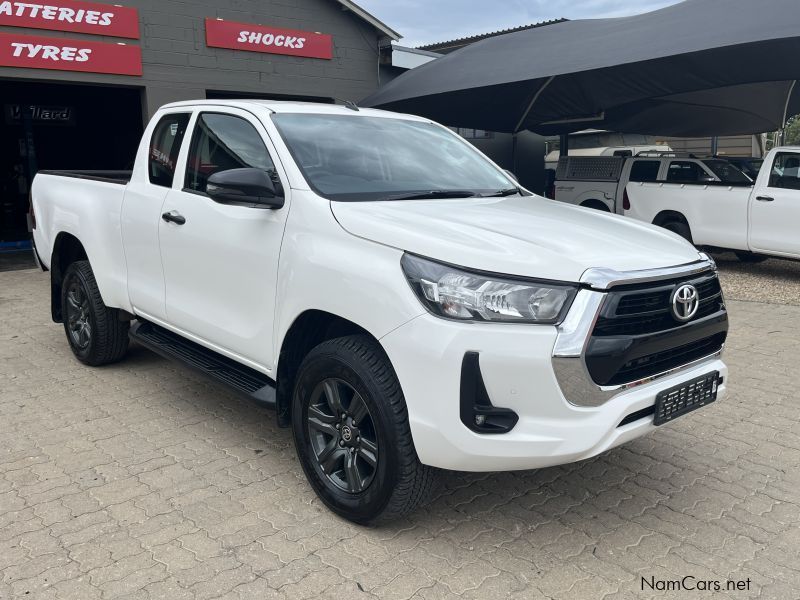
x,y
347,433
685,302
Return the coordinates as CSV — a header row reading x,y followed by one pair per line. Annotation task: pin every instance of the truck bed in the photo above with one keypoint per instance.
x,y
117,177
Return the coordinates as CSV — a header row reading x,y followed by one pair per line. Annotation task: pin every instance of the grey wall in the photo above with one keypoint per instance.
x,y
179,66
524,156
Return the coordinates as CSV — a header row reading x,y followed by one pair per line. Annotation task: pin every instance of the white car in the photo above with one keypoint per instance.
x,y
600,182
392,292
756,220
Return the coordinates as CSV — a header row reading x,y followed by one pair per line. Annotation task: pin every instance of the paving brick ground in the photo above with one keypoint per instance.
x,y
142,480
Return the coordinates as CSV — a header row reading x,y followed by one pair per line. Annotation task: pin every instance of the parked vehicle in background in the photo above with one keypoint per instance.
x,y
392,292
552,158
749,165
754,220
599,182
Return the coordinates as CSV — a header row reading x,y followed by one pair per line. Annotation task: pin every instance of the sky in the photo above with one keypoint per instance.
x,y
428,21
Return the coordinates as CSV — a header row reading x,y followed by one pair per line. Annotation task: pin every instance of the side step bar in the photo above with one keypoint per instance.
x,y
242,379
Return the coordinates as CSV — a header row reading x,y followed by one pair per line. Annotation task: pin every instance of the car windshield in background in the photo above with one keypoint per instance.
x,y
356,158
727,172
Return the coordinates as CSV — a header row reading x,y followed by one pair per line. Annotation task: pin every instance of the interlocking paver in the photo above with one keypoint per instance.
x,y
141,480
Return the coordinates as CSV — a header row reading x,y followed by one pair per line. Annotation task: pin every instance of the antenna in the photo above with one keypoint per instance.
x,y
348,104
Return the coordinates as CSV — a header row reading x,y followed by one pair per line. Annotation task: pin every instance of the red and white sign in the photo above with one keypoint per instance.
x,y
69,15
258,38
62,54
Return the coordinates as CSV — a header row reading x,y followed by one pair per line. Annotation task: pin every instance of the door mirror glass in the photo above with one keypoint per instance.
x,y
245,186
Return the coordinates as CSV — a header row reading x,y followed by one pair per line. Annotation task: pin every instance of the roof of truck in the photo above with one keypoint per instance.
x,y
280,106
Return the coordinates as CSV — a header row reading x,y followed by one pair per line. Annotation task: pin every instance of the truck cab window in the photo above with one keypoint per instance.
x,y
222,142
785,171
645,170
684,171
164,148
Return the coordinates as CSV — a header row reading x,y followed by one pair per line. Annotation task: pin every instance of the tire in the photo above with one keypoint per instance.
x,y
681,228
749,257
94,331
395,482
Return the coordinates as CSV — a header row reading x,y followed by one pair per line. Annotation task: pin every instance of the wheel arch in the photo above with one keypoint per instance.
x,y
666,216
595,204
67,249
309,329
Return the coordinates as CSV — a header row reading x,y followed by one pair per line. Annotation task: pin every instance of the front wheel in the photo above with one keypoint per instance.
x,y
350,426
94,331
681,228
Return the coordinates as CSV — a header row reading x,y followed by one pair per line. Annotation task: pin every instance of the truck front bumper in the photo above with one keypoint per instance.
x,y
519,368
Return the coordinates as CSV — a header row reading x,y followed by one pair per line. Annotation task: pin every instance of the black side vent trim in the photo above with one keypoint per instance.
x,y
477,412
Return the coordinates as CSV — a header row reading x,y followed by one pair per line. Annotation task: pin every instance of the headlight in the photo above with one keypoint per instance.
x,y
473,296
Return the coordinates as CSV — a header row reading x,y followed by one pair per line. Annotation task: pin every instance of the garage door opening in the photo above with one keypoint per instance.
x,y
58,126
223,95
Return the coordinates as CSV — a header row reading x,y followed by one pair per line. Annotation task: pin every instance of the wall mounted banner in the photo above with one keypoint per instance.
x,y
69,15
258,38
62,54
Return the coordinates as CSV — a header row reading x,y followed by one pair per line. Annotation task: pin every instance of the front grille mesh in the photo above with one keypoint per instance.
x,y
638,312
633,316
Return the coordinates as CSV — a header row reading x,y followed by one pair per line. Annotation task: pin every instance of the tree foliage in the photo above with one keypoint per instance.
x,y
792,133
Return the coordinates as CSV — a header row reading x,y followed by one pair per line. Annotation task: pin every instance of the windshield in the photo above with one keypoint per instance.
x,y
353,158
726,172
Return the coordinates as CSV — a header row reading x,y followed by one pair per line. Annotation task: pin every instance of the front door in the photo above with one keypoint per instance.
x,y
221,265
775,207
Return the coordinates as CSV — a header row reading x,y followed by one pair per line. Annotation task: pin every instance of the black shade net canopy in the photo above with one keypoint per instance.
x,y
698,68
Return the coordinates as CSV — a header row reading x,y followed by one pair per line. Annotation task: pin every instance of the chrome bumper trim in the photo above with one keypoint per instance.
x,y
575,332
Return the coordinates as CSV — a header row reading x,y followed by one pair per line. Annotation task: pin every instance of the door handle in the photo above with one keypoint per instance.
x,y
765,198
174,217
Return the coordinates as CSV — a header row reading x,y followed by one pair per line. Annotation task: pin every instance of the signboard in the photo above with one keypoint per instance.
x,y
70,15
37,113
62,54
258,38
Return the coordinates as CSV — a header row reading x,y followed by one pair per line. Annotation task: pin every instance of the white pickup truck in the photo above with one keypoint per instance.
x,y
388,289
755,220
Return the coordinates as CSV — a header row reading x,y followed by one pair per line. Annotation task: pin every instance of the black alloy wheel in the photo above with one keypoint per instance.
x,y
79,321
95,332
352,435
342,435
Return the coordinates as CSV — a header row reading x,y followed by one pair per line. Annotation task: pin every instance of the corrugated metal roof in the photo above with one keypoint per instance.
x,y
450,46
369,18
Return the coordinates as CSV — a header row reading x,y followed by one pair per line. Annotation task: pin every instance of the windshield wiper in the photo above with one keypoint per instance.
x,y
433,194
504,193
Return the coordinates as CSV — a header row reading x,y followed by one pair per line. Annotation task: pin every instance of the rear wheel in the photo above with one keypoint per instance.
x,y
350,426
681,228
749,257
94,331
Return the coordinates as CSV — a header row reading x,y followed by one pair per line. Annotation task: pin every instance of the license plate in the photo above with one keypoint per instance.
x,y
676,402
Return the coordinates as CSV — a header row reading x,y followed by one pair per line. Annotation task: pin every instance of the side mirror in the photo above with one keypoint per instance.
x,y
245,186
510,174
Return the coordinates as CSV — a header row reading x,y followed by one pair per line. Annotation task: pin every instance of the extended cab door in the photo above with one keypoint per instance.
x,y
221,264
775,207
152,180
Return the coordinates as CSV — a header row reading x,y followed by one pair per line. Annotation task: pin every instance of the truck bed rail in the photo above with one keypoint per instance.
x,y
115,177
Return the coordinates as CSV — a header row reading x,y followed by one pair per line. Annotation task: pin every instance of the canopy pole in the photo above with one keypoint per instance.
x,y
788,100
533,101
563,144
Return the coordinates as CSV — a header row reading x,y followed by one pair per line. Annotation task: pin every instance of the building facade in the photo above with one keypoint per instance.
x,y
79,80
